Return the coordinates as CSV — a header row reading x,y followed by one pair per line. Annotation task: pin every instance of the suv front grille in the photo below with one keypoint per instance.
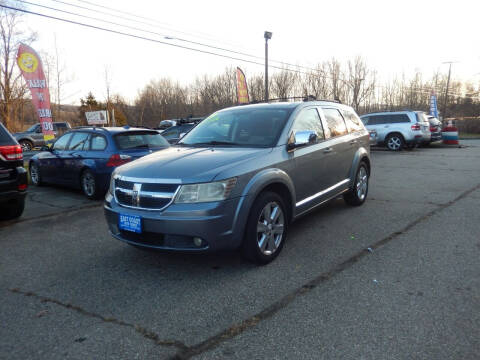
x,y
144,195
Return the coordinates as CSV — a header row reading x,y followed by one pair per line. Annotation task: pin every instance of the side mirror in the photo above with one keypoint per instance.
x,y
302,138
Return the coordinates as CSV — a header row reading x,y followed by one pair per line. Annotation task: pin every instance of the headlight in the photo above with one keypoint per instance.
x,y
214,191
111,189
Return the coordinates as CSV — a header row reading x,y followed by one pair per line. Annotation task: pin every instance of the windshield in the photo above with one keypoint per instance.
x,y
139,140
32,128
249,127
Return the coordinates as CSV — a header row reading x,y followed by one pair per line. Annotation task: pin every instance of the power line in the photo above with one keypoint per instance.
x,y
173,37
181,46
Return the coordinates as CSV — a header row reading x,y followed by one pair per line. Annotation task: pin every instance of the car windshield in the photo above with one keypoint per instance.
x,y
140,139
32,128
248,127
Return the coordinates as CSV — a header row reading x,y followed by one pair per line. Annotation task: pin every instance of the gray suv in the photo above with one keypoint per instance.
x,y
399,129
240,177
33,137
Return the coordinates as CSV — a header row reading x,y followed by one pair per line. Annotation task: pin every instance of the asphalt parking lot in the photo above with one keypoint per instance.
x,y
397,278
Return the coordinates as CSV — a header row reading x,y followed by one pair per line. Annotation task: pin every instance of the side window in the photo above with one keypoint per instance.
x,y
309,119
170,133
353,121
78,141
378,119
98,142
335,122
62,142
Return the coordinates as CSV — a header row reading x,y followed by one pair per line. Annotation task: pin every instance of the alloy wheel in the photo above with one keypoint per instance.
x,y
394,143
270,228
88,184
362,183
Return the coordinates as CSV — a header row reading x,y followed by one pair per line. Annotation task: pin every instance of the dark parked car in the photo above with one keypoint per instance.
x,y
183,126
85,157
33,137
240,177
13,177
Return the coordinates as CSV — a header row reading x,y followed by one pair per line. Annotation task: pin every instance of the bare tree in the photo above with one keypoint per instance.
x,y
12,88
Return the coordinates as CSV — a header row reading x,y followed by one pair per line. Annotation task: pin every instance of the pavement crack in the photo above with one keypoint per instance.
x,y
238,328
144,332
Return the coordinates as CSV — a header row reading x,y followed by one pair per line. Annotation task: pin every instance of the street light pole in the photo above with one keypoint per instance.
x,y
267,35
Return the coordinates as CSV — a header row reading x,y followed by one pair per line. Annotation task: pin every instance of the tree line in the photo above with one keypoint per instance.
x,y
350,81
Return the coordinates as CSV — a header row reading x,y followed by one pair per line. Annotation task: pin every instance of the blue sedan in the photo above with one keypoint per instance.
x,y
86,157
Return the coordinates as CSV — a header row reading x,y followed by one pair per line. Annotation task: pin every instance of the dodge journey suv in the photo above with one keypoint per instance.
x,y
240,177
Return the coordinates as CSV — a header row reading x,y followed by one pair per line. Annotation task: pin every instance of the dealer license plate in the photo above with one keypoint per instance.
x,y
131,223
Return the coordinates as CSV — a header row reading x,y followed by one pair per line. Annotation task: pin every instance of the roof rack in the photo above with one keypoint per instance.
x,y
90,127
303,98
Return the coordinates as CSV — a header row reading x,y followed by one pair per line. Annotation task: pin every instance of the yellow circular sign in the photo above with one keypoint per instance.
x,y
28,62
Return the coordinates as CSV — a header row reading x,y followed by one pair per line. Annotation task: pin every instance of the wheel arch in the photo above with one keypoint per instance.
x,y
362,154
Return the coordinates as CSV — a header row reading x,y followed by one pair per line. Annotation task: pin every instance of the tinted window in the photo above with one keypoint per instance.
x,y
98,142
78,141
257,127
335,122
352,120
171,133
140,139
309,119
62,142
60,125
5,138
388,119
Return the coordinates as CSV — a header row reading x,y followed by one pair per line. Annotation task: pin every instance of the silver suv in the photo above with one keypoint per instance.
x,y
33,137
399,129
240,177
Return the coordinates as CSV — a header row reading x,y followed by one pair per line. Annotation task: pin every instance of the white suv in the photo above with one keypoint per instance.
x,y
397,129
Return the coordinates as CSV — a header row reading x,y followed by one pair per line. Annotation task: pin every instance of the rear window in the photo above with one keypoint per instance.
x,y
5,138
352,120
140,139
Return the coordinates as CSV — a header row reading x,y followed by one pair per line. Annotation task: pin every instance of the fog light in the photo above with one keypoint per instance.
x,y
197,241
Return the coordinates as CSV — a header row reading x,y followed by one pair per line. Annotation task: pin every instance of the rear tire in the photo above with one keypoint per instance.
x,y
12,210
395,142
358,194
89,185
266,229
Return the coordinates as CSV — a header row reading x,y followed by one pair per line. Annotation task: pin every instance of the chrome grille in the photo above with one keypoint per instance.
x,y
144,195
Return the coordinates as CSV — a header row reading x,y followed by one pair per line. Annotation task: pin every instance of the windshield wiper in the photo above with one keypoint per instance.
x,y
142,146
213,142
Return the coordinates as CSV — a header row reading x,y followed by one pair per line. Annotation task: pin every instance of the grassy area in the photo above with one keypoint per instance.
x,y
463,135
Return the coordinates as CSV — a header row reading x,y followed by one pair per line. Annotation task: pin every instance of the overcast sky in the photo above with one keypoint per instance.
x,y
394,37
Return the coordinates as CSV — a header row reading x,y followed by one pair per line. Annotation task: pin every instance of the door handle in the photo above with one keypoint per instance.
x,y
353,142
386,126
327,150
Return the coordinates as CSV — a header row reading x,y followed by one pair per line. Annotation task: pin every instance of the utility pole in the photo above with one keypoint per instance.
x,y
444,111
267,35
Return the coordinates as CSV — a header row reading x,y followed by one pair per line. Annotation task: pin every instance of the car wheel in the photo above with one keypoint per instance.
x,y
12,210
395,142
35,176
358,194
266,230
26,145
89,184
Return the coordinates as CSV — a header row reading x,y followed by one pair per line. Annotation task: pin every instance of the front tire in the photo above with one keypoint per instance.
x,y
395,142
266,230
35,176
27,145
358,194
89,185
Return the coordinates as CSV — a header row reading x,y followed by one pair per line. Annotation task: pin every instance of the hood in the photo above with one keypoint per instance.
x,y
187,164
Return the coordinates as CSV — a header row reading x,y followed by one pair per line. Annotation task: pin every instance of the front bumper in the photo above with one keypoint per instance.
x,y
219,224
